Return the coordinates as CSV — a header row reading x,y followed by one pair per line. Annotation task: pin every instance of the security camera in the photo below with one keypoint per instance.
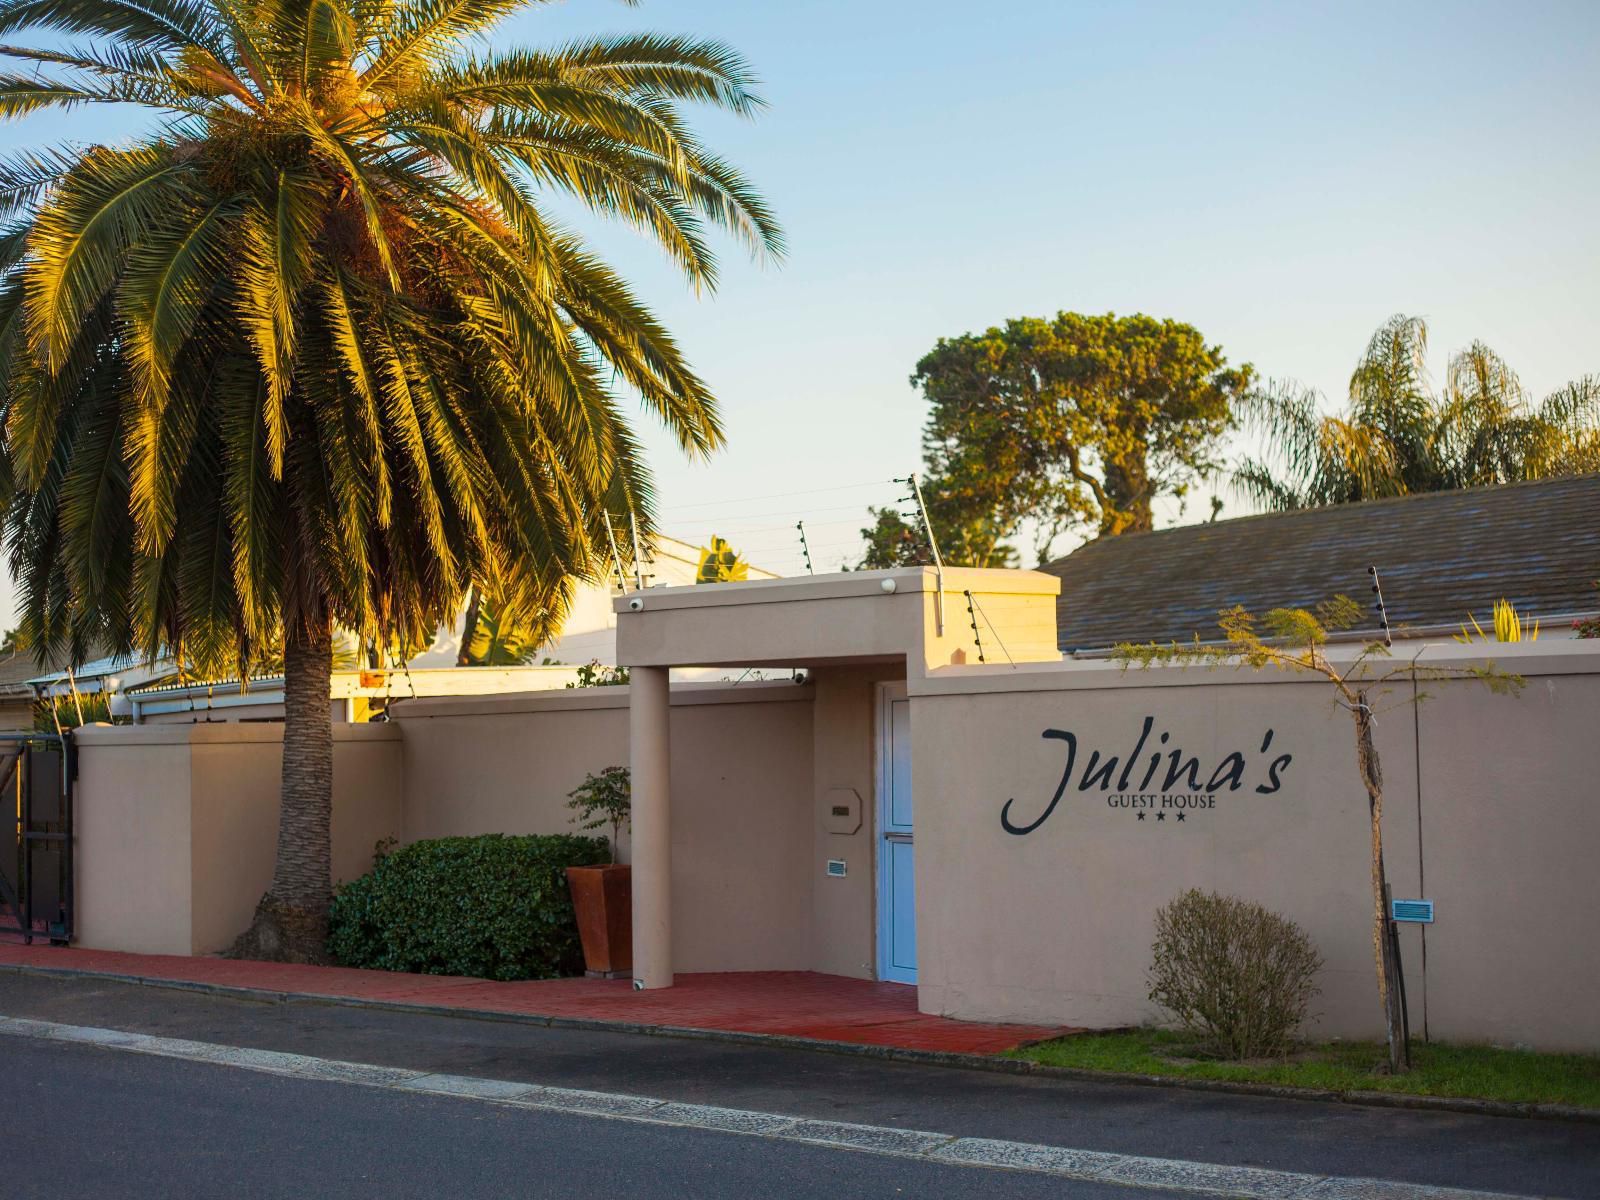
x,y
635,605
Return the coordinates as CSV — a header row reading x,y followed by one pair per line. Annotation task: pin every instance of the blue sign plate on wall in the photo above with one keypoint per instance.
x,y
1417,911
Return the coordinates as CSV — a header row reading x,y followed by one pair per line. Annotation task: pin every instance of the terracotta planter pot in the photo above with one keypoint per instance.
x,y
603,898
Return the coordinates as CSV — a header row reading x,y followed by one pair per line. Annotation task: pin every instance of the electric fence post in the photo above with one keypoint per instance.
x,y
638,557
1383,613
616,555
933,548
805,547
972,615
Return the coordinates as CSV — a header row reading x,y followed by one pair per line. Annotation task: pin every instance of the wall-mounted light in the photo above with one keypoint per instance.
x,y
887,585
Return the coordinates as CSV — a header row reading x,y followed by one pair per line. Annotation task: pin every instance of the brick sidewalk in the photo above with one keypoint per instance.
x,y
796,1004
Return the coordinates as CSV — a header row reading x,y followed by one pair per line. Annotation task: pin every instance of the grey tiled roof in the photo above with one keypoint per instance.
x,y
1441,555
17,669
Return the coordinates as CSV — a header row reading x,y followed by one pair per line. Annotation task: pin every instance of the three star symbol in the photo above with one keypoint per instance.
x,y
1161,816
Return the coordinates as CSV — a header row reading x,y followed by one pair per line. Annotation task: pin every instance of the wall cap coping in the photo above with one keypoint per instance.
x,y
840,585
207,733
612,697
1556,657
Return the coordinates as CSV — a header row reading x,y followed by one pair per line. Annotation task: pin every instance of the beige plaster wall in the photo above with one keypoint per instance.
x,y
843,911
131,861
1491,812
233,786
504,764
742,799
1055,925
1510,820
177,827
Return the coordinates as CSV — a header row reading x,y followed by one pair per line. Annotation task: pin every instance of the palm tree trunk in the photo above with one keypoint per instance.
x,y
469,627
291,922
1389,993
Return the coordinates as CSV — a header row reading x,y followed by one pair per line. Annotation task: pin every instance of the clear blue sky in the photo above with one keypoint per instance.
x,y
1283,176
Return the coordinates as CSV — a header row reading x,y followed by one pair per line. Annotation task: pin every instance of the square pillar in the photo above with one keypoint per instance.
x,y
649,759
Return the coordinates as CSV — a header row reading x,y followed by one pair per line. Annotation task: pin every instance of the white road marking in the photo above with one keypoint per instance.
x,y
1090,1166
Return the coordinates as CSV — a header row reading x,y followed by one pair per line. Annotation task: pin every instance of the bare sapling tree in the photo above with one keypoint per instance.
x,y
1365,683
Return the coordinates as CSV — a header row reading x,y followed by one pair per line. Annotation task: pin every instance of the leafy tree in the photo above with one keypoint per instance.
x,y
1294,639
594,673
891,541
1398,436
1071,421
966,539
315,351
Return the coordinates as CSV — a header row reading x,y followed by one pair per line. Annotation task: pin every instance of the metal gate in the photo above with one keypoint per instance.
x,y
36,771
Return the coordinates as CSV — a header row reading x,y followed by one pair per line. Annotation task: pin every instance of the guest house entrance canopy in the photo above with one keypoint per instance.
x,y
918,618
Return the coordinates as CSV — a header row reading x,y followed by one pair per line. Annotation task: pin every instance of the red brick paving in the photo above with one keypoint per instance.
x,y
789,1003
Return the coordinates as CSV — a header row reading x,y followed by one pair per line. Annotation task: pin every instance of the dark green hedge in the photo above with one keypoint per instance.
x,y
494,907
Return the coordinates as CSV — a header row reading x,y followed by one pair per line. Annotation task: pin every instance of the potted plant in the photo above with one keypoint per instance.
x,y
603,896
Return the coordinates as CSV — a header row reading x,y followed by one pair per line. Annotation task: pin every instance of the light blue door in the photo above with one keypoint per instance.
x,y
897,887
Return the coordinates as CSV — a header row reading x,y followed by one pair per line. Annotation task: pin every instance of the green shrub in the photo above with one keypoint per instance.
x,y
1233,971
494,907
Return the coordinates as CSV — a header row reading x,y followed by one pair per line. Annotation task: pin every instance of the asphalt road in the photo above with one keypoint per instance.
x,y
114,1125
97,1122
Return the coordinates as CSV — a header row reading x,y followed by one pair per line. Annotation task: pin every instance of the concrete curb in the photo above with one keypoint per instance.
x,y
938,1058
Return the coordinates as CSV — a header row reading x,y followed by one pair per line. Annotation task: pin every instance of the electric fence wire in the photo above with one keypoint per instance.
x,y
808,539
843,487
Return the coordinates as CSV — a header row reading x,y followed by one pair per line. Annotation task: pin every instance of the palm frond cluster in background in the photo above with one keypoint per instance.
x,y
1399,436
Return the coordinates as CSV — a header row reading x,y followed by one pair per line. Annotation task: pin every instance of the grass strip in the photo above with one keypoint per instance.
x,y
1471,1072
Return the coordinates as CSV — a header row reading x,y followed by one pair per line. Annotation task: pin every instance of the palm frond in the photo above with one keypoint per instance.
x,y
352,355
420,30
169,275
679,68
78,243
26,178
275,266
149,25
253,501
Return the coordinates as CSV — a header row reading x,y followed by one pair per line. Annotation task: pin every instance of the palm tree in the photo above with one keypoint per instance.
x,y
315,352
1399,437
508,632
